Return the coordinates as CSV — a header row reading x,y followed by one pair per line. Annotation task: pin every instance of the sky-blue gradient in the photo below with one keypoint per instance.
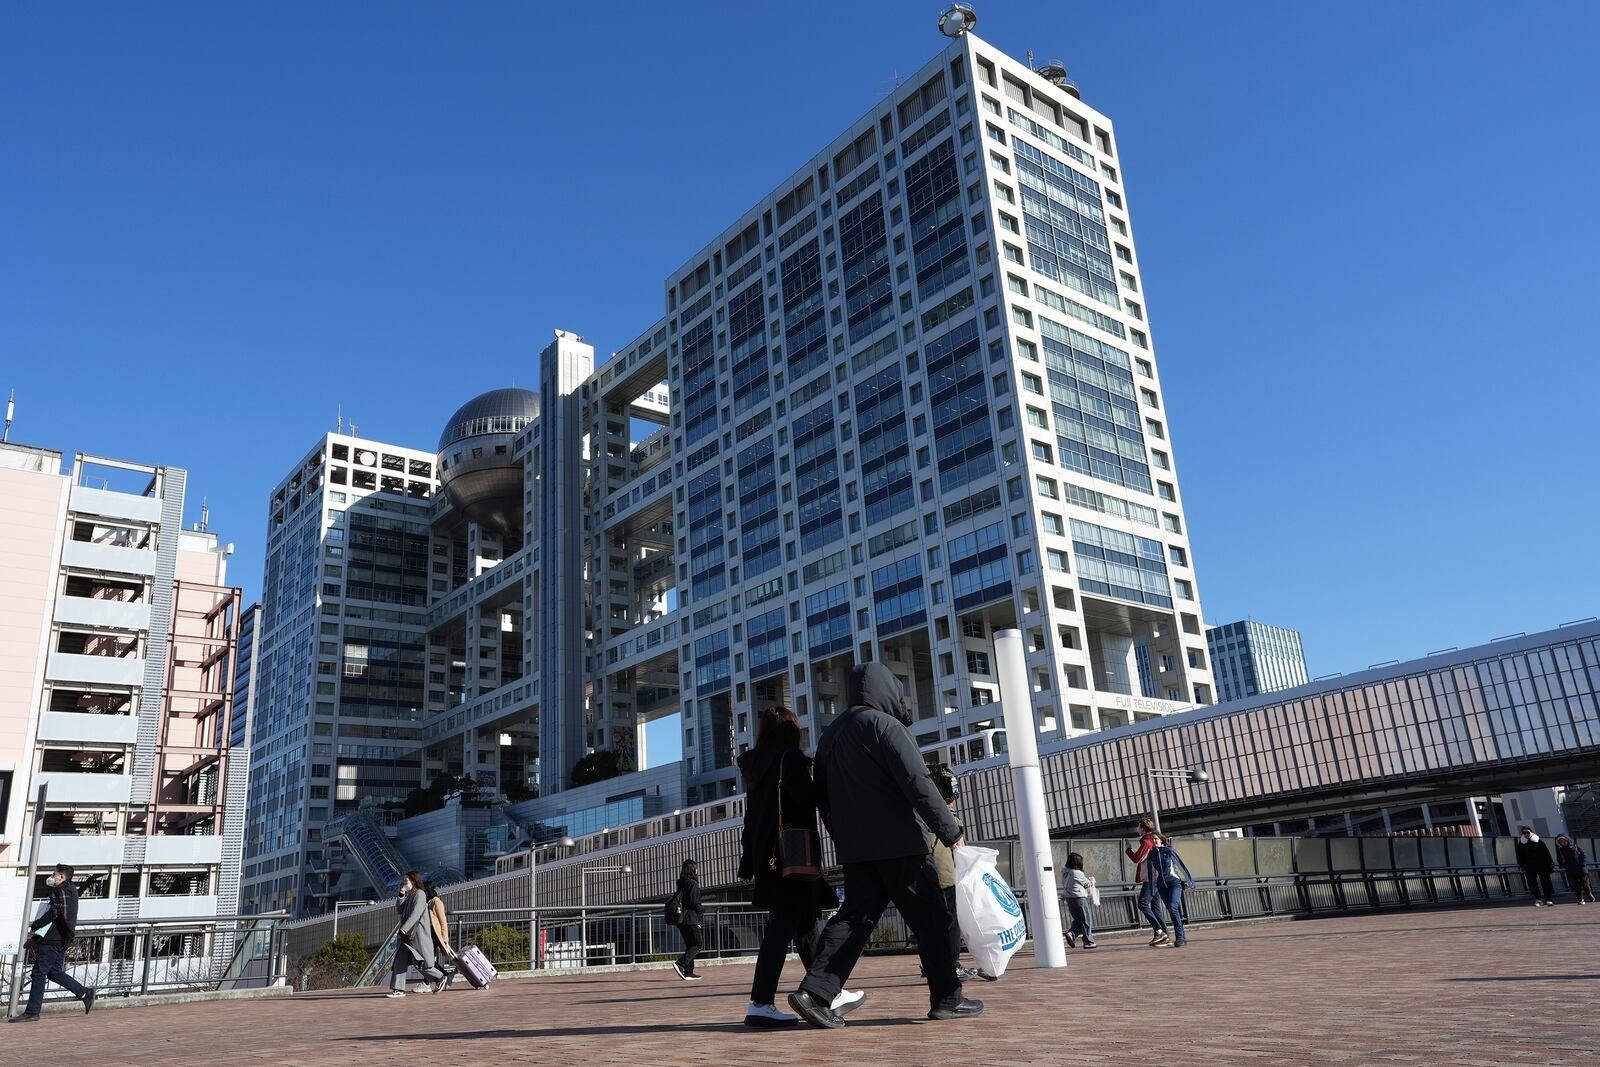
x,y
1367,234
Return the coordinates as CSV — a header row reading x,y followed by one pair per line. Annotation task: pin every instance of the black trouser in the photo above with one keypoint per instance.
x,y
912,884
949,894
1539,884
788,921
691,946
50,963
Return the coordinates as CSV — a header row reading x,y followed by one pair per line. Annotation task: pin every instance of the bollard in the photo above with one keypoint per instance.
x,y
1033,817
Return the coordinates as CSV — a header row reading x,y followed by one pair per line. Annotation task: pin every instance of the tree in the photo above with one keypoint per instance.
x,y
596,767
506,946
339,961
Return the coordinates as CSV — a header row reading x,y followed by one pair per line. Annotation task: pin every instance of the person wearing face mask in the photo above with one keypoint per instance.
x,y
51,935
1533,856
416,938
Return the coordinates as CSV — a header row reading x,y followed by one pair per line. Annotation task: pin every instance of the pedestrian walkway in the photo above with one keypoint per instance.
x,y
1480,986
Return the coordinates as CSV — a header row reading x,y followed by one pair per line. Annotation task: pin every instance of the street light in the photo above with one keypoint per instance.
x,y
1180,774
347,904
583,901
533,898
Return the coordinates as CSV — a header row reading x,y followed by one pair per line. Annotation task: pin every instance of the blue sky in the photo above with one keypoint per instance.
x,y
1366,231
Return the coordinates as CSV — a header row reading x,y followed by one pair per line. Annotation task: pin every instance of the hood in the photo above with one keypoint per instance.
x,y
872,685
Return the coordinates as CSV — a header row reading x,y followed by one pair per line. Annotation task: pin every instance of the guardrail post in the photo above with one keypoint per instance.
x,y
144,979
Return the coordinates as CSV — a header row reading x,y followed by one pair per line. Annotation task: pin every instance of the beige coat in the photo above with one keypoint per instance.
x,y
441,929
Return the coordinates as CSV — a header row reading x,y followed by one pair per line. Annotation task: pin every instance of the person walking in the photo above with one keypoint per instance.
x,y
1165,870
877,801
1533,856
690,926
1572,861
415,934
51,935
1147,890
1075,888
444,956
944,862
779,796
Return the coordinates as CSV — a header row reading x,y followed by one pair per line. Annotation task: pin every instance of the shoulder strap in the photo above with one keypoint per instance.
x,y
782,758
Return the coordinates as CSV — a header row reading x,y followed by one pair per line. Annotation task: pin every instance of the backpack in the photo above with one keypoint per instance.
x,y
672,910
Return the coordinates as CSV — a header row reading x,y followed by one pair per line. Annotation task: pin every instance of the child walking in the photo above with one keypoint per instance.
x,y
1076,888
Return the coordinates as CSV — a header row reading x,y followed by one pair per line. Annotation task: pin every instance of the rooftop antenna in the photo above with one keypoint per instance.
x,y
205,516
1030,59
354,430
339,424
11,413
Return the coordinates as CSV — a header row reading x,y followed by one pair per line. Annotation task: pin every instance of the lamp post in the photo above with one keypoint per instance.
x,y
583,901
1193,775
533,899
346,904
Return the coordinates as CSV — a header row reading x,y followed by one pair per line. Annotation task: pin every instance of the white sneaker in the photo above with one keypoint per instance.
x,y
1582,901
395,994
847,1001
1538,903
768,1017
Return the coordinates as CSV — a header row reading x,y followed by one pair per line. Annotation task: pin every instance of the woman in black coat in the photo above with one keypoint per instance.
x,y
795,904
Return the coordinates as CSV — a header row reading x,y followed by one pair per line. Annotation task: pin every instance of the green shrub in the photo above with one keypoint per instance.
x,y
506,946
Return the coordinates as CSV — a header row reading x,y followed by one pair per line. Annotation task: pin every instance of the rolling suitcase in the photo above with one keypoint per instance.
x,y
475,967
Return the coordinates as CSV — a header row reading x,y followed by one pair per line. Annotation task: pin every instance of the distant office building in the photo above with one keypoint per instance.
x,y
338,656
1249,658
244,679
117,642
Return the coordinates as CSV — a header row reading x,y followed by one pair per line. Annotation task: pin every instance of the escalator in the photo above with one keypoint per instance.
x,y
361,834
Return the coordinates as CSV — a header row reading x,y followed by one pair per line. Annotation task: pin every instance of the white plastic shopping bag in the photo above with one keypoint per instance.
x,y
990,916
1094,892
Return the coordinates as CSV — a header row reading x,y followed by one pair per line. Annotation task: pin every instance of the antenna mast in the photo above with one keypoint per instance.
x,y
11,412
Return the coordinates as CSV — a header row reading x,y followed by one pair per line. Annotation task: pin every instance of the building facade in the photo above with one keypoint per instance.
x,y
338,653
116,657
1250,658
907,399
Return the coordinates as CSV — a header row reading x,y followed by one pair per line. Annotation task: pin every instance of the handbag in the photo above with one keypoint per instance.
x,y
799,848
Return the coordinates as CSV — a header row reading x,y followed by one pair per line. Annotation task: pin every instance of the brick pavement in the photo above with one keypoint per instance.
x,y
1504,985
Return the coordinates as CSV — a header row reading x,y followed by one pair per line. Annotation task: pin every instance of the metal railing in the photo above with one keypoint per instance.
x,y
567,939
143,956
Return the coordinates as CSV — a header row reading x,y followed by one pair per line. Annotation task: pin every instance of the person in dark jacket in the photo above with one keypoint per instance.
x,y
1571,859
877,801
1533,856
51,936
779,795
690,926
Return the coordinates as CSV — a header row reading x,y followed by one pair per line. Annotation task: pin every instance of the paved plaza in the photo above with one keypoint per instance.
x,y
1500,985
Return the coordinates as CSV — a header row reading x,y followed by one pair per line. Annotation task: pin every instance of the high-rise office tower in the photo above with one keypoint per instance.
x,y
244,678
1250,657
117,641
339,696
907,399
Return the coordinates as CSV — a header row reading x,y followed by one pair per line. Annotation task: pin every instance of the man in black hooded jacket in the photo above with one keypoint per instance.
x,y
875,797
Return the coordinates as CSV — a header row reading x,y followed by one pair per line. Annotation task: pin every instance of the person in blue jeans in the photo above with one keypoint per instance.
x,y
1164,870
50,936
1147,889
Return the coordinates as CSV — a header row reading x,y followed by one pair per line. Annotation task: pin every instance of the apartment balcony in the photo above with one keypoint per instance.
x,y
102,614
183,850
106,504
95,670
68,787
89,728
79,850
108,559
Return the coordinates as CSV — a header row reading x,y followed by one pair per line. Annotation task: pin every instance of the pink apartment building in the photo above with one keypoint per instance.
x,y
118,633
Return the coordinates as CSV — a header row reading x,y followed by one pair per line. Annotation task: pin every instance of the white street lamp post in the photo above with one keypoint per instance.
x,y
1192,775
